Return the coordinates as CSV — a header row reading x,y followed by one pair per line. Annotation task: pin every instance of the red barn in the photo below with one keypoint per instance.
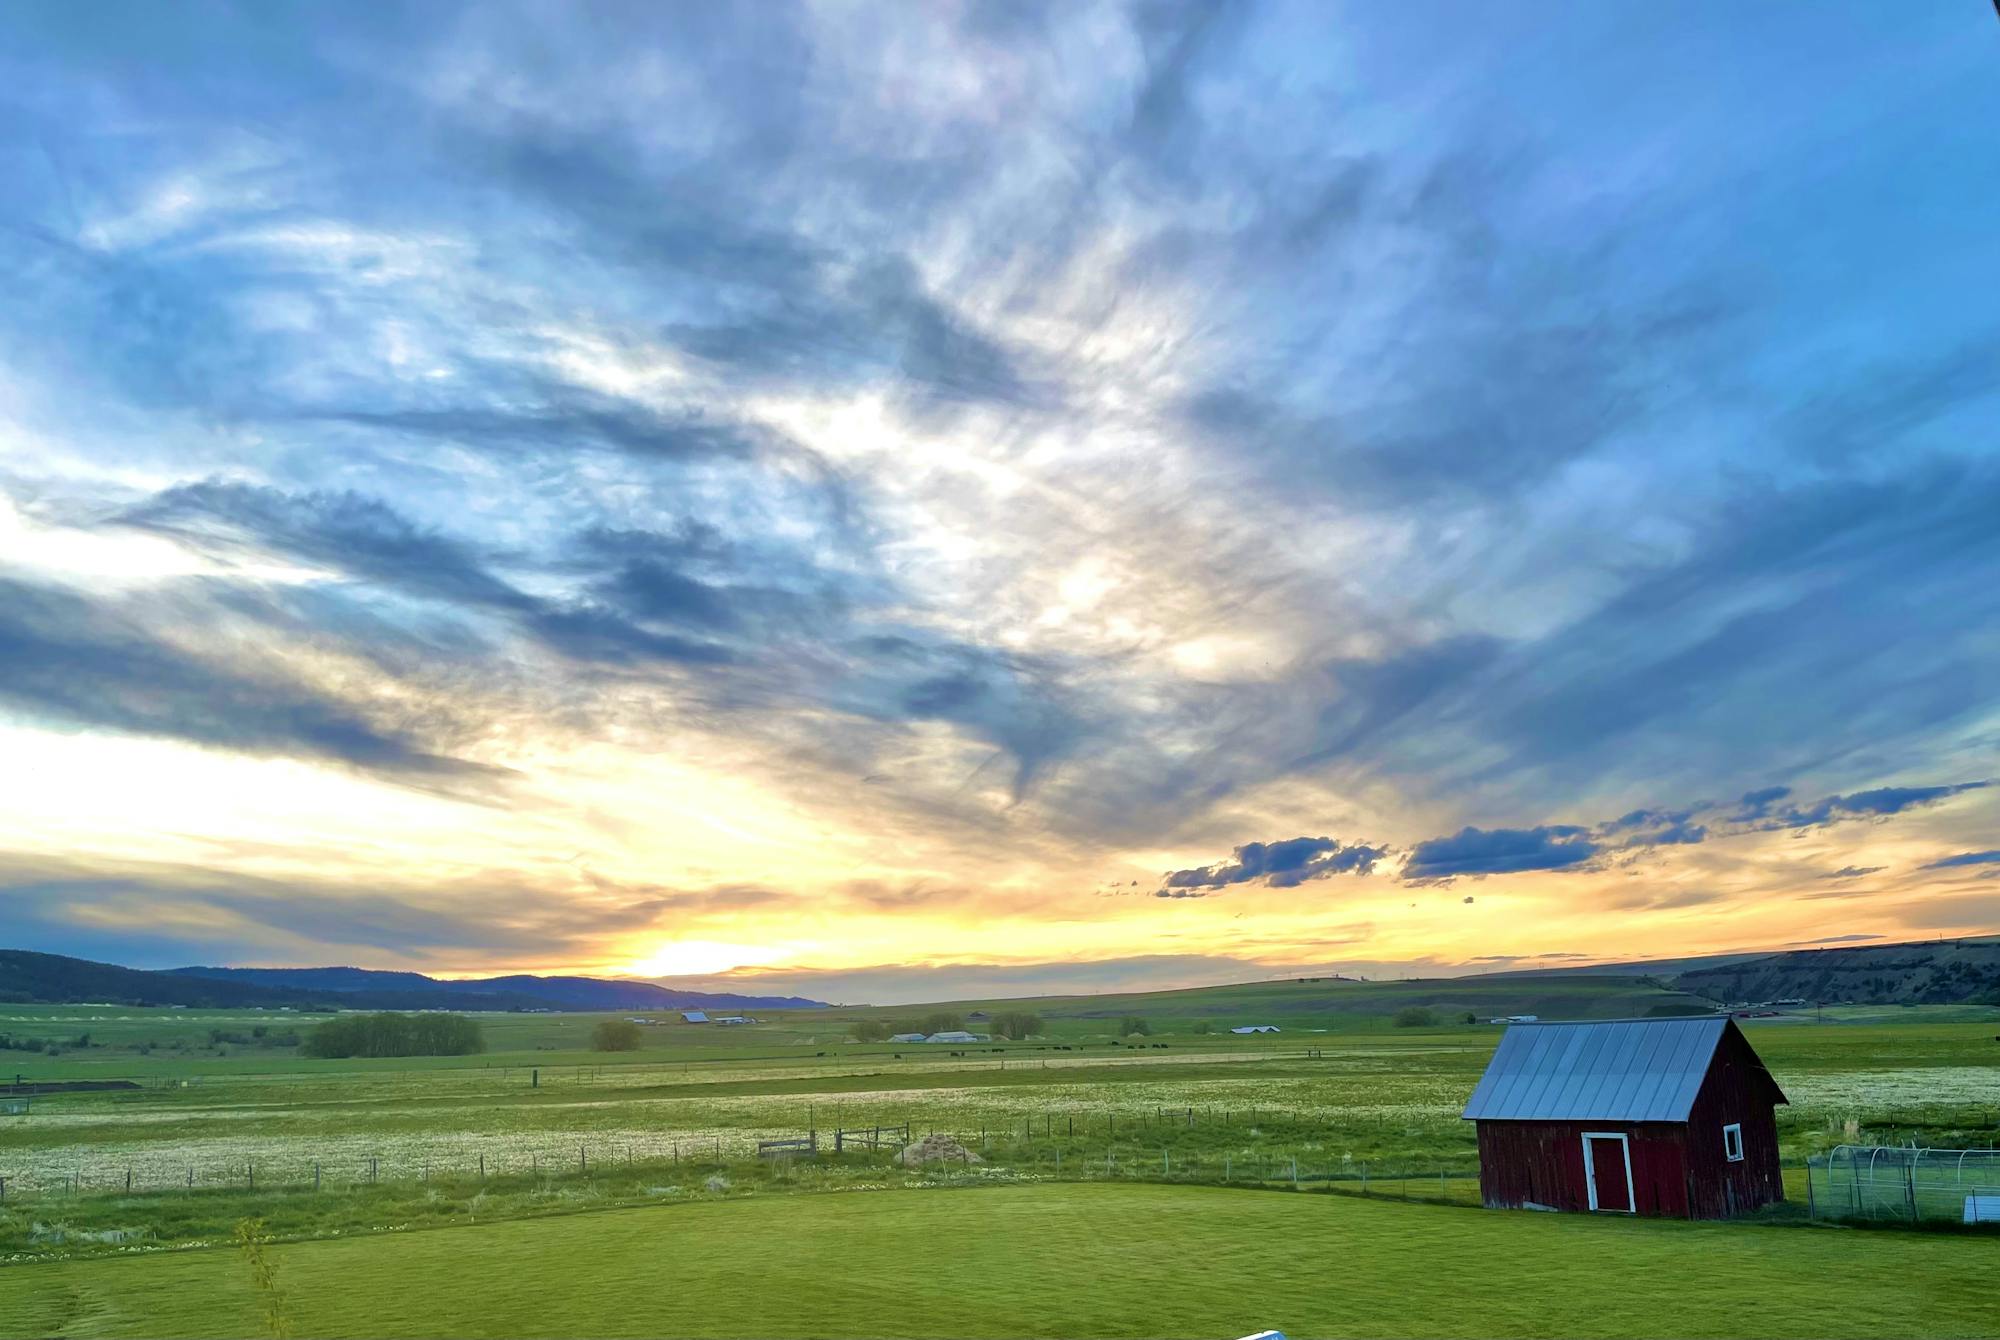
x,y
1640,1116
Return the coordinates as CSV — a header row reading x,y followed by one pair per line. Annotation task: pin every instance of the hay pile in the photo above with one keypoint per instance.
x,y
936,1149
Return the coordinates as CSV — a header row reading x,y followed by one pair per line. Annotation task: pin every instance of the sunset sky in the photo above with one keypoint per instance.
x,y
910,500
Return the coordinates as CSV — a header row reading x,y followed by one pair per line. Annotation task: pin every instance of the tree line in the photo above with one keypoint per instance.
x,y
395,1035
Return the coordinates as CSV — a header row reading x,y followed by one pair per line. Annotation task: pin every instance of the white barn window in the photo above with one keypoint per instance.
x,y
1732,1142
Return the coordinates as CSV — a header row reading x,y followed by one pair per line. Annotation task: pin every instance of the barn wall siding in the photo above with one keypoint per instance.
x,y
1736,1089
1525,1163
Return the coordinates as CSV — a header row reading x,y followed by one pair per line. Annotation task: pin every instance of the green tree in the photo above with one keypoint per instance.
x,y
868,1030
1133,1026
615,1035
1415,1016
347,1035
1017,1024
943,1022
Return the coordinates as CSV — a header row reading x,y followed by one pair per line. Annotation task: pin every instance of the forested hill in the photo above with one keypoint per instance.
x,y
27,977
53,979
1938,972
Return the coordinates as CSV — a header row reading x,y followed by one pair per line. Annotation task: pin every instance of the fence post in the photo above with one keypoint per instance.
x,y
128,1181
1812,1209
1364,1179
1225,1167
253,1175
482,1167
1295,1174
315,1176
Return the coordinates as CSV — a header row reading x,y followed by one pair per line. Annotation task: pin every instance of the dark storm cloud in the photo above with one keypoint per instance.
x,y
1964,859
74,661
1882,801
1478,852
1500,851
1278,865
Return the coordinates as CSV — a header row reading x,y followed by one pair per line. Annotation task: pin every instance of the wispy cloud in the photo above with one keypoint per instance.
x,y
996,452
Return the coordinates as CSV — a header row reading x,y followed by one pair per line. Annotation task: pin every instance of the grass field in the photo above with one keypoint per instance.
x,y
1043,1261
619,1193
217,1115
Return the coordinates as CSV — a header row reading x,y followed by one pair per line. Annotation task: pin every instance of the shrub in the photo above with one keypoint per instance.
x,y
943,1022
615,1035
1132,1025
869,1030
1415,1016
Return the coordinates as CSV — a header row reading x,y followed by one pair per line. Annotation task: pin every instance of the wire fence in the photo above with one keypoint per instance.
x,y
1905,1184
1042,1146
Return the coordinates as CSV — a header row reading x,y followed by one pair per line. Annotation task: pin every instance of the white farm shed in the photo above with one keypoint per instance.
x,y
1256,1028
953,1035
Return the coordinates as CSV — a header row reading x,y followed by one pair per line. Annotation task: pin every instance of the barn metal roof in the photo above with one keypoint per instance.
x,y
1623,1070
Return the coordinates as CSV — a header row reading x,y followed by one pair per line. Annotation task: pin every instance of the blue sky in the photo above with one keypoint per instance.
x,y
1057,494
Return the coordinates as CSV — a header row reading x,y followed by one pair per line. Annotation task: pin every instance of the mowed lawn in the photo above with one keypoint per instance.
x,y
1051,1260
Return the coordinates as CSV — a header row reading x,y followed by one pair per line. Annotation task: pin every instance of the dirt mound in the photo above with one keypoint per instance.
x,y
936,1149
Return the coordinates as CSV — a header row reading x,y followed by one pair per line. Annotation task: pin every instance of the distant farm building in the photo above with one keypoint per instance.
x,y
953,1035
1256,1028
977,1014
732,1019
1648,1116
906,1037
694,1016
1515,1019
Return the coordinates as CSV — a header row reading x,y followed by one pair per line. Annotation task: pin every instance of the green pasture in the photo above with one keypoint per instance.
x,y
214,1129
1383,1095
1054,1260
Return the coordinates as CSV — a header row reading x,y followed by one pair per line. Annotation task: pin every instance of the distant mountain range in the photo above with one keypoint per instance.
x,y
27,977
1925,972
